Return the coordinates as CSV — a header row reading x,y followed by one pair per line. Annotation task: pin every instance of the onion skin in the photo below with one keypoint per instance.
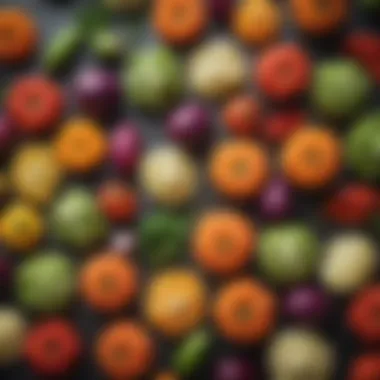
x,y
189,125
307,304
277,200
126,145
98,92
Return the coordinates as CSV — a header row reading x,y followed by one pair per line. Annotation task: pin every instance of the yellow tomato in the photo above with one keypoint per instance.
x,y
175,302
21,227
35,173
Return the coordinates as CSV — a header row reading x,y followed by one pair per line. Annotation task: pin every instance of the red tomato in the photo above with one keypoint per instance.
x,y
53,347
242,115
365,47
353,205
117,201
35,103
363,315
365,367
281,125
284,71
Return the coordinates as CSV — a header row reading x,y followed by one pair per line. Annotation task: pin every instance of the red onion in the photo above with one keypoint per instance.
x,y
277,200
126,145
306,304
231,368
98,92
221,9
189,125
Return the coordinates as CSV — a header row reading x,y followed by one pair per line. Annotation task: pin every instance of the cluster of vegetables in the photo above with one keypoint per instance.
x,y
268,161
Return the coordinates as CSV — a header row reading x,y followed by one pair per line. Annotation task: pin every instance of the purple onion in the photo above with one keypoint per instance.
x,y
123,242
98,92
126,146
306,304
277,200
231,368
7,133
189,125
6,271
221,10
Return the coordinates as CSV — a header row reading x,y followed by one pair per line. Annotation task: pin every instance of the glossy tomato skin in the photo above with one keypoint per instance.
x,y
242,115
353,205
35,104
365,367
117,201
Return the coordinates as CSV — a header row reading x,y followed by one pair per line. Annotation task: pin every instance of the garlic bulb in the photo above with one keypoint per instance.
x,y
216,69
349,263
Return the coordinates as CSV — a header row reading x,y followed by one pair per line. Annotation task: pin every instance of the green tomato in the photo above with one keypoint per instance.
x,y
363,147
77,220
340,88
163,237
288,253
154,78
45,282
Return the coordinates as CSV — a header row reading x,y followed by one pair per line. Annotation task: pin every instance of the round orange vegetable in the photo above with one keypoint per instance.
x,y
223,241
311,157
242,115
245,311
35,103
81,145
239,168
124,350
117,201
108,282
257,22
319,17
18,35
180,21
175,302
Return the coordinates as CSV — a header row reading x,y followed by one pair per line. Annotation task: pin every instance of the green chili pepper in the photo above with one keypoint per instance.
x,y
62,48
192,352
163,237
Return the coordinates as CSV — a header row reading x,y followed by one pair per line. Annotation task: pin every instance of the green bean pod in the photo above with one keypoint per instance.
x,y
62,48
192,352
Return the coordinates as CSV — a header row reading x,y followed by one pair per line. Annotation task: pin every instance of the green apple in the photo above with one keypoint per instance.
x,y
363,147
154,79
340,88
288,253
45,282
77,220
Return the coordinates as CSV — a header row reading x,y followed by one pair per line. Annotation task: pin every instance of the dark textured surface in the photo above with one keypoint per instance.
x,y
56,13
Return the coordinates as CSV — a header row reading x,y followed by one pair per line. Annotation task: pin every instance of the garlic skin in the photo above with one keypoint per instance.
x,y
12,335
297,353
169,176
349,263
216,69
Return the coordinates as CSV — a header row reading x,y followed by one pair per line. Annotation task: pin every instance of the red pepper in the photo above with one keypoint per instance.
x,y
365,48
353,205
